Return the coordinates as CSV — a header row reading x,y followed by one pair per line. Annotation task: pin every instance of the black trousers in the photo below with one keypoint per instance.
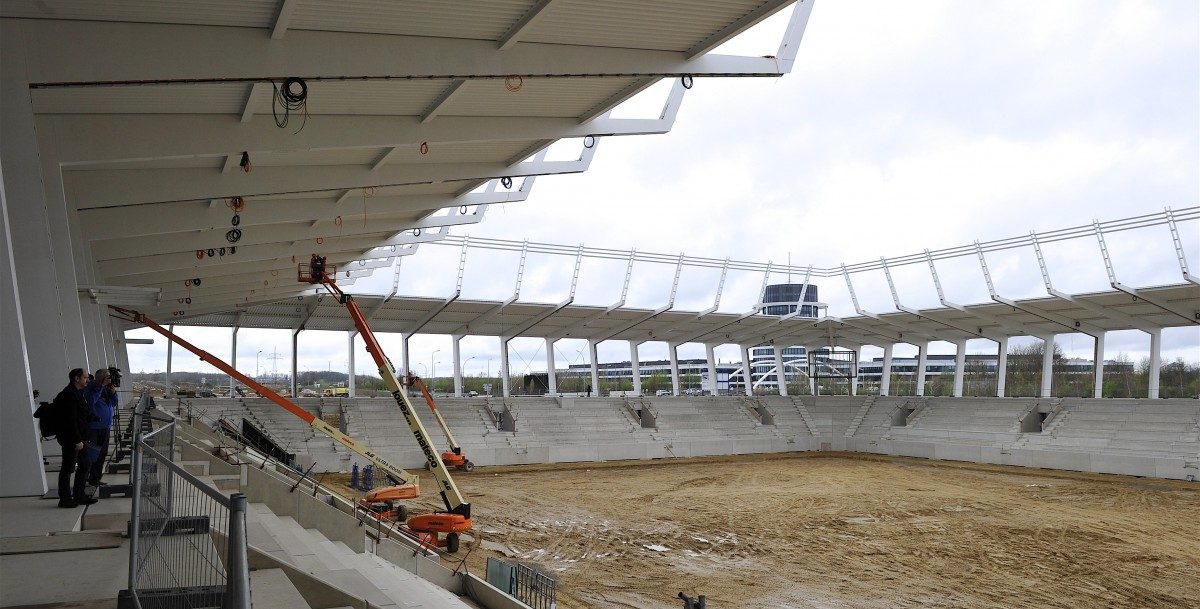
x,y
72,461
100,438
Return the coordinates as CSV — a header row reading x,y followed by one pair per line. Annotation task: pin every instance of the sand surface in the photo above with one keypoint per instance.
x,y
805,531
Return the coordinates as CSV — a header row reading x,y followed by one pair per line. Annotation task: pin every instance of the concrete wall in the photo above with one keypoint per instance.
x,y
1155,438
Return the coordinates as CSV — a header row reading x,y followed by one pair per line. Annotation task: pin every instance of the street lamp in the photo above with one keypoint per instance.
x,y
433,364
256,363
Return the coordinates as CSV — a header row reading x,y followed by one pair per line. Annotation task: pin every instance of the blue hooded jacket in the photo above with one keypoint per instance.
x,y
103,403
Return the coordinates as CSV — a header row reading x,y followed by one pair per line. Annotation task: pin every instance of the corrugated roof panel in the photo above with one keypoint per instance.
x,y
668,25
210,98
558,97
477,19
376,97
458,152
246,13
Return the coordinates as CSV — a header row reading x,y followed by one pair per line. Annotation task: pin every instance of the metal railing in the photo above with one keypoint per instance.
x,y
187,541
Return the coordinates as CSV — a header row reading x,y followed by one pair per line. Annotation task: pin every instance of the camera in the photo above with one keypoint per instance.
x,y
114,373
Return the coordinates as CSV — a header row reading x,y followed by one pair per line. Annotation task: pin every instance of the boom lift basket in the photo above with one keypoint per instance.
x,y
305,274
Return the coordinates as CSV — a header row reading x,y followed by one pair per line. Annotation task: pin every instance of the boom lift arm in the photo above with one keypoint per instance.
x,y
407,484
457,517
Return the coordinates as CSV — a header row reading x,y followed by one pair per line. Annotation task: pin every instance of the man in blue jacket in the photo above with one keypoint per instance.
x,y
102,398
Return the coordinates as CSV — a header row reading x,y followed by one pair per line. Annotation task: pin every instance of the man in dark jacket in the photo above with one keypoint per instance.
x,y
74,418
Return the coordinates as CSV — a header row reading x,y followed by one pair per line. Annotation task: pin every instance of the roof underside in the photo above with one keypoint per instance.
x,y
416,112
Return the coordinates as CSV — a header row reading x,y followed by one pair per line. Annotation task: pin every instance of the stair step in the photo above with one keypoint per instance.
x,y
272,588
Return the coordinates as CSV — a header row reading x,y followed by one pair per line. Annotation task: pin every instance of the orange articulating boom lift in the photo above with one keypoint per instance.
x,y
457,517
453,457
406,484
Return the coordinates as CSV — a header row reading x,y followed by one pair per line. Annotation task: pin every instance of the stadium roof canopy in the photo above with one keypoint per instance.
x,y
1033,317
418,115
1125,307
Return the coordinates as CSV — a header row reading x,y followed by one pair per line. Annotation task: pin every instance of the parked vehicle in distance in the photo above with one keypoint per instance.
x,y
661,392
473,394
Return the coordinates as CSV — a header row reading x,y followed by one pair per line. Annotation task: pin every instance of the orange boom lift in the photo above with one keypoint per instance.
x,y
426,527
457,516
453,457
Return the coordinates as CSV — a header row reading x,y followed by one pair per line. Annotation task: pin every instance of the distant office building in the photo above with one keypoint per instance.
x,y
778,300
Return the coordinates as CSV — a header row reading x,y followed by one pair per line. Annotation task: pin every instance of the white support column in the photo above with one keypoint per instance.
x,y
19,446
1098,366
504,389
551,376
857,365
922,358
1001,365
1047,367
1155,363
404,352
456,357
960,364
350,389
711,359
812,382
233,357
167,379
673,357
295,366
747,372
780,377
885,376
49,306
595,366
635,368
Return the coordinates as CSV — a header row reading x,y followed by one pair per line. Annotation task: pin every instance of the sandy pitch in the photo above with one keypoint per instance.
x,y
820,531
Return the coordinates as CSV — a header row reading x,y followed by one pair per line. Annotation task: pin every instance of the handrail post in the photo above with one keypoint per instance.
x,y
135,471
237,591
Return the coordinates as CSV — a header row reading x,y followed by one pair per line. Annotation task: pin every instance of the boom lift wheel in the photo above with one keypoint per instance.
x,y
452,543
469,466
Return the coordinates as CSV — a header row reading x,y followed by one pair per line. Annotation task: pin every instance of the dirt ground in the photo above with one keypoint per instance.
x,y
844,531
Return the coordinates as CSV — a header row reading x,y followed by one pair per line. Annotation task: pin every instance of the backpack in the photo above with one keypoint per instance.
x,y
47,420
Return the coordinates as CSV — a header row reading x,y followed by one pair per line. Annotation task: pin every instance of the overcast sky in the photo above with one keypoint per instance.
x,y
903,126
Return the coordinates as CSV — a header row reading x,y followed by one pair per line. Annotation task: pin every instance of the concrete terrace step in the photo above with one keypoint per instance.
x,y
272,588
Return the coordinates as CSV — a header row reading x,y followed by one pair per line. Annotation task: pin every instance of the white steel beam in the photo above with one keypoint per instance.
x,y
112,188
185,216
520,329
108,52
1072,325
513,35
1104,312
187,262
286,9
79,139
428,317
446,95
1192,316
603,336
745,22
911,311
